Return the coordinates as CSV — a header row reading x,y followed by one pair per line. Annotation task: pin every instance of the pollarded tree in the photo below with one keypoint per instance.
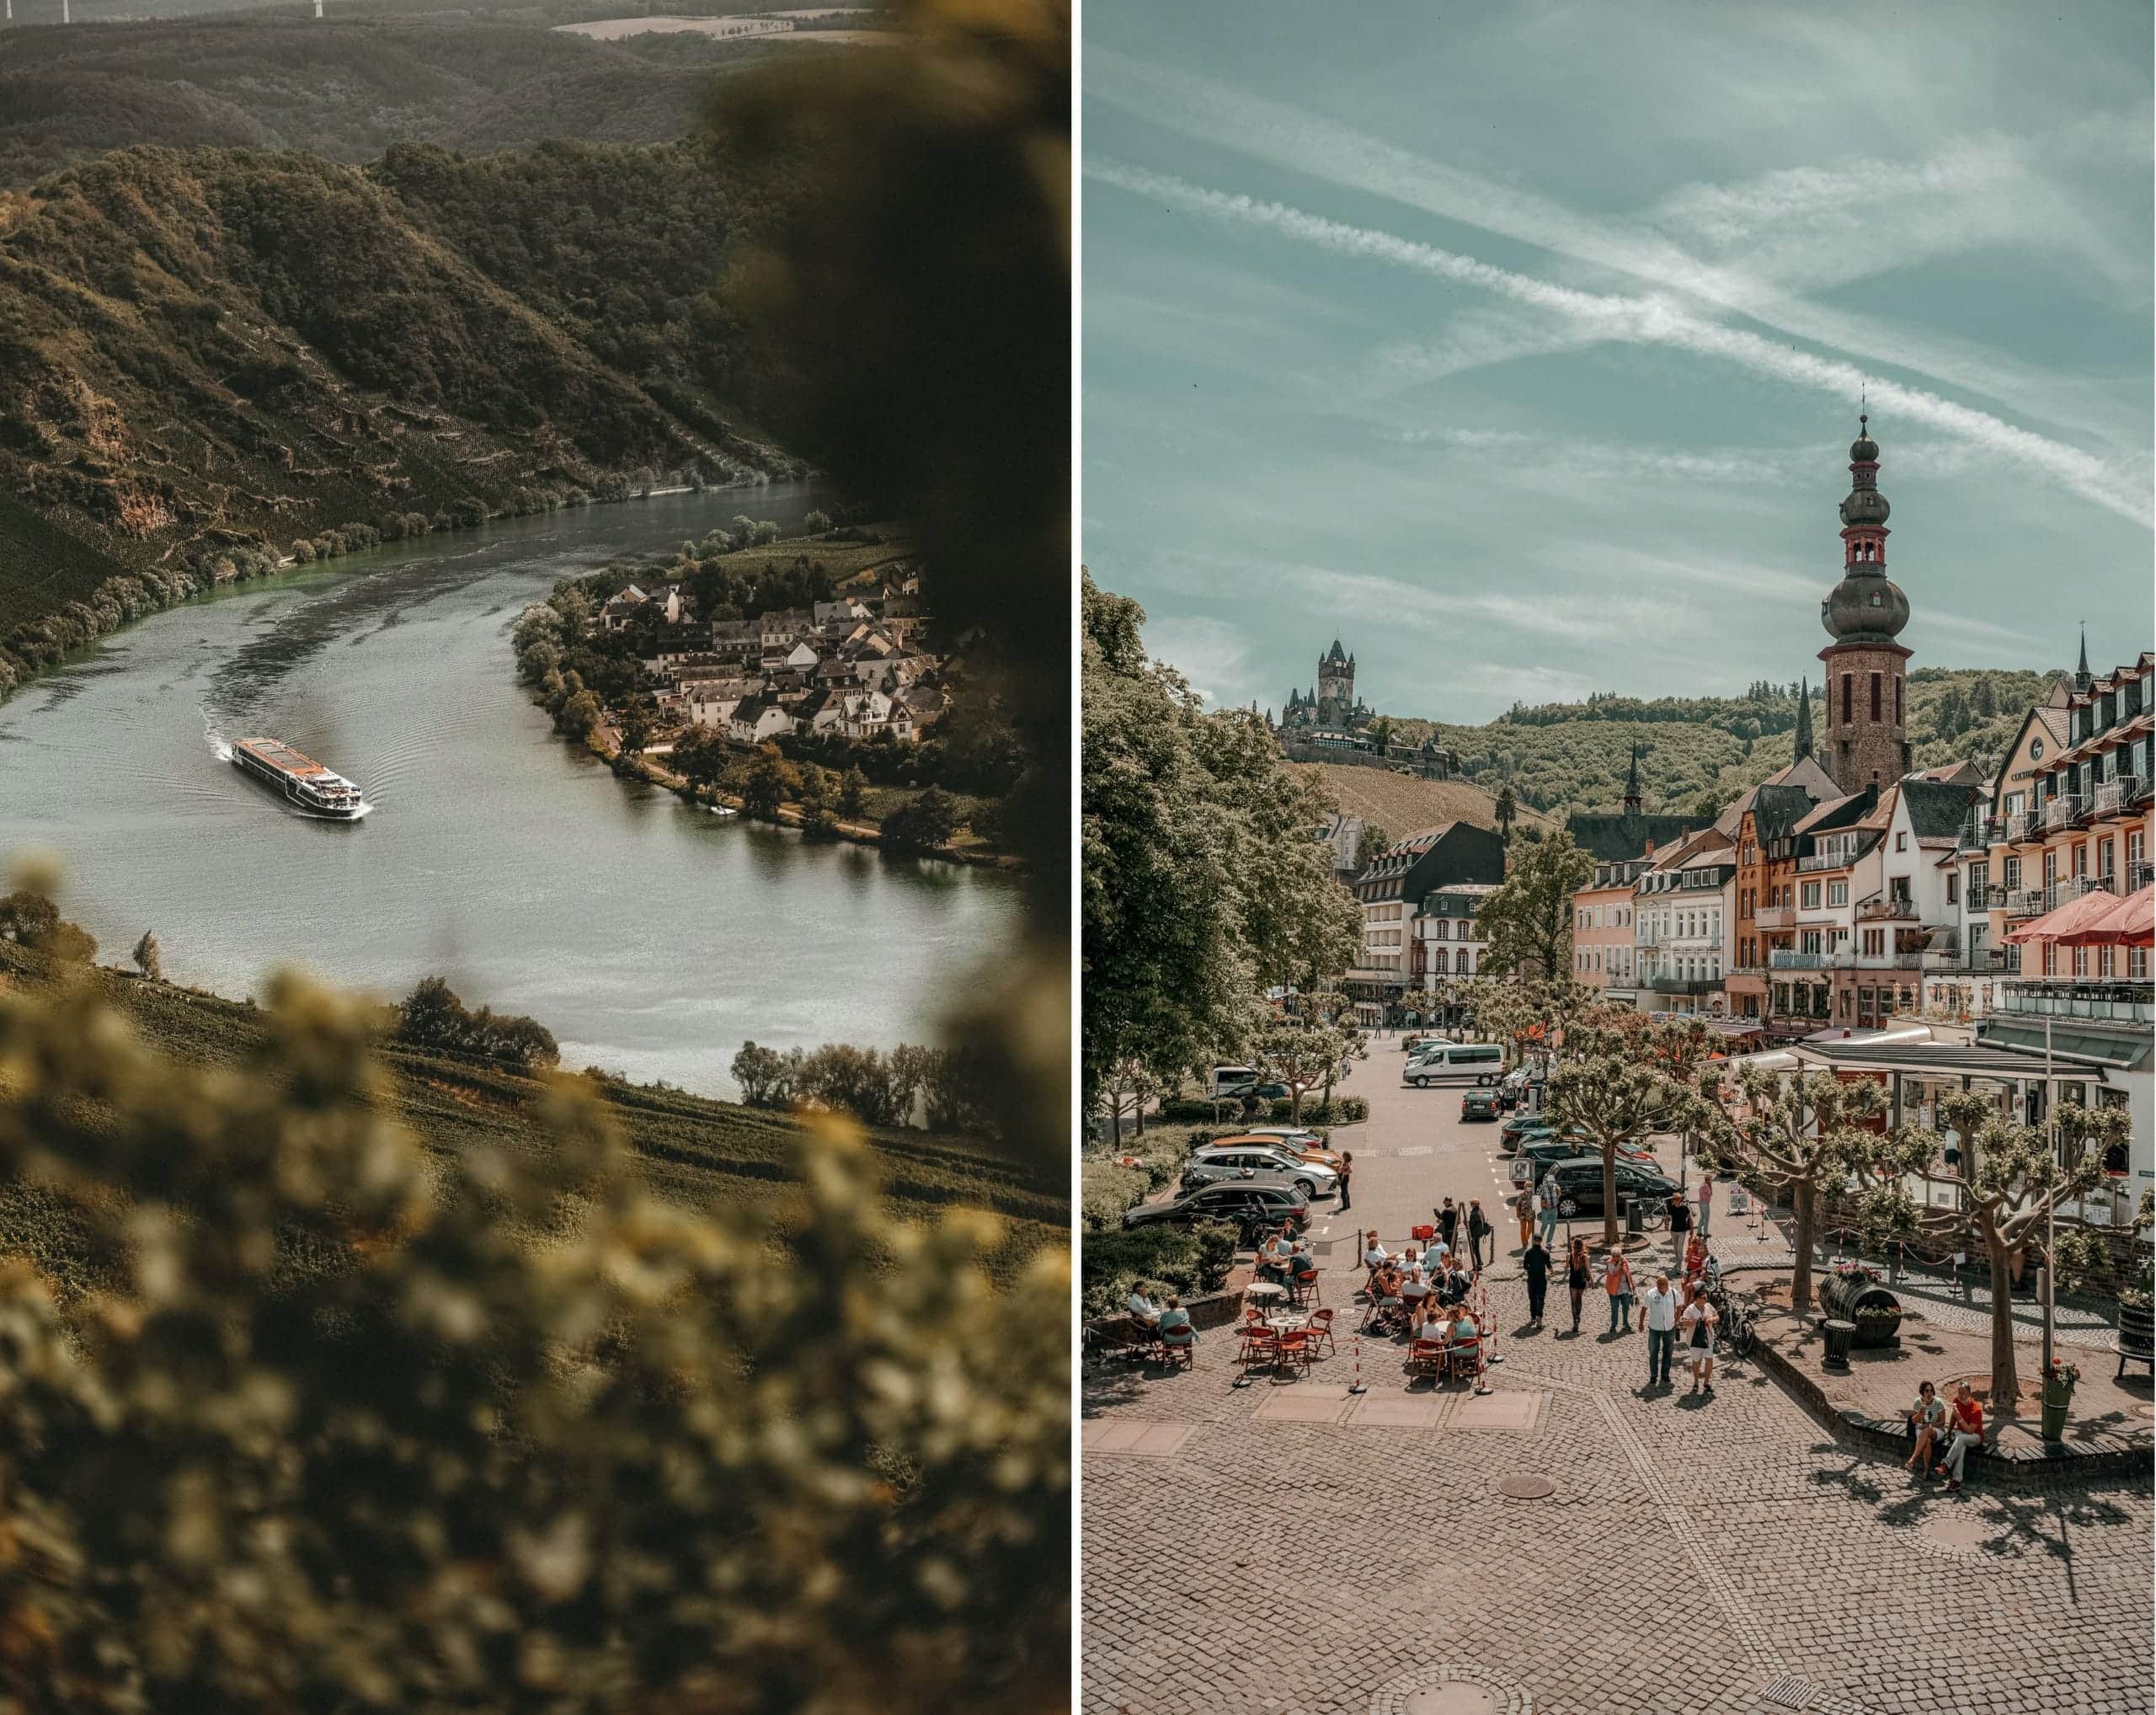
x,y
1805,1137
1620,1087
1302,1054
2008,1180
1528,922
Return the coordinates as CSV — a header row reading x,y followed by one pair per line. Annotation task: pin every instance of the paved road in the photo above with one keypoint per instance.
x,y
1287,1548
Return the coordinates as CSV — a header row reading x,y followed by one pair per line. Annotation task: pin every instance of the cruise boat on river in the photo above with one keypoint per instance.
x,y
300,780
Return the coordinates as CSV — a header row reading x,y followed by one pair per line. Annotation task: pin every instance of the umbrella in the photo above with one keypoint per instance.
x,y
2128,922
2067,925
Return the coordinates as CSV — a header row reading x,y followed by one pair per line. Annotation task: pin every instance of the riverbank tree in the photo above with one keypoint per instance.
x,y
432,1017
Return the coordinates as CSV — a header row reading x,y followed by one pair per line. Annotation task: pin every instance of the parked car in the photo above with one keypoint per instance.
x,y
1479,1104
1422,1044
1252,1204
1214,1162
1457,1063
1304,1145
1579,1185
1540,1158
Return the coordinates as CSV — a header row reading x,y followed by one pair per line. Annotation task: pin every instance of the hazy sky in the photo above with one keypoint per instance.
x,y
1520,346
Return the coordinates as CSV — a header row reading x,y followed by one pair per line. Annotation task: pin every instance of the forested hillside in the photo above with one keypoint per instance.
x,y
212,360
347,86
1574,756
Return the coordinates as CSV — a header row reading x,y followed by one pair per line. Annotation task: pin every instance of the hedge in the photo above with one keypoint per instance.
x,y
1187,1261
1343,1110
1106,1189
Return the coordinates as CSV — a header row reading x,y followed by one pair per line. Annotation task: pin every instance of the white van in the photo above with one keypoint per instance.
x,y
1233,1081
1457,1063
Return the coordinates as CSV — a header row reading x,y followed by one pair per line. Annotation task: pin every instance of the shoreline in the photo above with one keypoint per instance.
x,y
153,593
608,751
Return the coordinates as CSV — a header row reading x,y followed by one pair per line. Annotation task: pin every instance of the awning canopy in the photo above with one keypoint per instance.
x,y
2131,922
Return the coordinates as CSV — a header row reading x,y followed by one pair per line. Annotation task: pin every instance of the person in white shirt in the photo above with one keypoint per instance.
x,y
1698,1320
1143,1310
1413,1290
1375,1254
1658,1308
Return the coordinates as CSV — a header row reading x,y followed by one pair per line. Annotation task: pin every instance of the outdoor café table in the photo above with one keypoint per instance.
x,y
1263,1293
1283,1322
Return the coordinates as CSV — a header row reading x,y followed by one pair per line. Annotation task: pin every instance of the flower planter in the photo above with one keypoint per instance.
x,y
1857,1298
2058,1398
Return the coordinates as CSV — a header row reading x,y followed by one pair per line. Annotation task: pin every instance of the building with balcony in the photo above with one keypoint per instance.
x,y
1391,891
1760,822
1602,929
1682,910
1447,942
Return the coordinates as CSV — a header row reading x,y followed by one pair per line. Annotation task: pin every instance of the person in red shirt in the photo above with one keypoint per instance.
x,y
1968,1432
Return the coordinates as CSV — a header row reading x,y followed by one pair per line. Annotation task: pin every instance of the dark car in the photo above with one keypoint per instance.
x,y
1479,1104
1579,1185
1544,1153
1251,1204
1572,1142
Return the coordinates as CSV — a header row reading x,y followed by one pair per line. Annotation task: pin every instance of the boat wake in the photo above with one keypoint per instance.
x,y
220,747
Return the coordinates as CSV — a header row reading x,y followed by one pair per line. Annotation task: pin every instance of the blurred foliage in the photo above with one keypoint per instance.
x,y
339,1434
921,293
1185,1260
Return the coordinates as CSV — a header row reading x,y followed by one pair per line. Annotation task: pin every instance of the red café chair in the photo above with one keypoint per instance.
x,y
1304,1288
1466,1359
1322,1329
1179,1352
1425,1357
1294,1346
1261,1348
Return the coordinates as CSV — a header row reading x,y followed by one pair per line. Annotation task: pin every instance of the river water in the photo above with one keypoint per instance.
x,y
650,938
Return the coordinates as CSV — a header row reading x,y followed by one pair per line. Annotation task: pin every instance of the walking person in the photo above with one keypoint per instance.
x,y
1548,1197
1617,1282
1697,1321
1523,1207
1347,1173
1578,1275
1535,1264
1658,1317
1449,1226
1706,1195
1680,1228
1478,1232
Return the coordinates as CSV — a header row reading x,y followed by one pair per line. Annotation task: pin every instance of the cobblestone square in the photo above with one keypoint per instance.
x,y
1690,1555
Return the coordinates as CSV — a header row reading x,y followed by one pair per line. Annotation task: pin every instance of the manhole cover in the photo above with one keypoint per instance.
x,y
1453,1698
1955,1531
1526,1489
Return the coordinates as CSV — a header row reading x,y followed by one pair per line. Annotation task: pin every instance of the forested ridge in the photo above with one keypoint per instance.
x,y
1693,750
213,359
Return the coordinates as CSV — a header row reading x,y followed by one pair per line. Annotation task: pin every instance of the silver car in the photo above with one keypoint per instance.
x,y
1209,1163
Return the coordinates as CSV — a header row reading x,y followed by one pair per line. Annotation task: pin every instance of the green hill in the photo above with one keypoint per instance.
x,y
211,360
1574,756
700,1153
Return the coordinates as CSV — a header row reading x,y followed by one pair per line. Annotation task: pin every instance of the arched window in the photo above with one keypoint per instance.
x,y
1848,694
1875,696
1897,699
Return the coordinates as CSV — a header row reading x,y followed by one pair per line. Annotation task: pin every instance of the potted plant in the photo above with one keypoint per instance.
x,y
2058,1395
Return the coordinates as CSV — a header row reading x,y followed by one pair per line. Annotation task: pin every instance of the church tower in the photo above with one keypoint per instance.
x,y
1336,686
1866,742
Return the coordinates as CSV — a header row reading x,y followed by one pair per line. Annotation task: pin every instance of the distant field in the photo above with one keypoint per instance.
x,y
1400,804
622,29
699,1153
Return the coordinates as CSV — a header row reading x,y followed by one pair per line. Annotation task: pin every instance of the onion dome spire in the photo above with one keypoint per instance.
x,y
1865,606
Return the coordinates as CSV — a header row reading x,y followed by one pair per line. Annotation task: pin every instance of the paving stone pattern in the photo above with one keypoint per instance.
x,y
1694,1555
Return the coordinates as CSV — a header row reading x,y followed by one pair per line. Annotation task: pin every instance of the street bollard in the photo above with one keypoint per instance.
x,y
1356,1385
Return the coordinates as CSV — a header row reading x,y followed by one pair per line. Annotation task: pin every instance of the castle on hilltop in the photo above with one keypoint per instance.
x,y
1331,724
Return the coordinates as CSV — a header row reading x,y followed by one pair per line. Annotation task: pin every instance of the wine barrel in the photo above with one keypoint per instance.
x,y
1877,1312
2136,1329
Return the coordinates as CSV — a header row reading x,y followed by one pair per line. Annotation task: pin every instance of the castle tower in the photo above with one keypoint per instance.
x,y
1336,686
1866,742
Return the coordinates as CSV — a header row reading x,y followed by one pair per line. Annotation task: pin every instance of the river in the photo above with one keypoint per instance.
x,y
650,938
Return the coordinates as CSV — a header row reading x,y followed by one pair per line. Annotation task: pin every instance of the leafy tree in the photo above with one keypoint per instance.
x,y
765,789
1373,844
1201,886
1381,732
763,1075
30,918
816,522
1616,1090
1805,1138
1126,1087
149,957
635,730
926,820
853,793
1803,741
1506,808
581,715
1528,922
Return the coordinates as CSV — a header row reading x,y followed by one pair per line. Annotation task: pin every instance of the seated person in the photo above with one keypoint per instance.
x,y
1436,1251
1175,1323
1429,1319
1143,1310
1455,1286
1374,1253
1414,1288
1695,1257
1384,1293
1926,1418
1273,1260
1464,1331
